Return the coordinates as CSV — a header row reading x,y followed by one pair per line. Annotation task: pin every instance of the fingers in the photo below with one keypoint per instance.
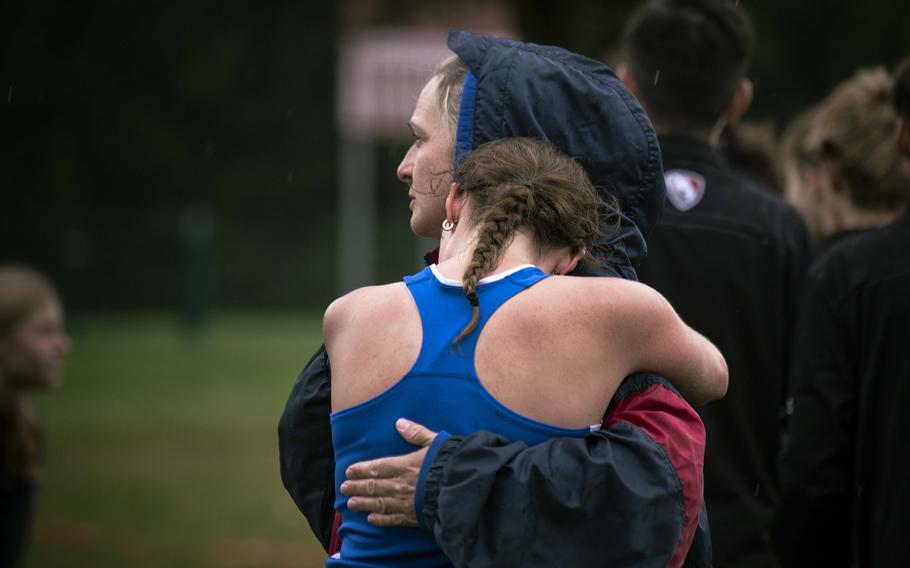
x,y
385,511
381,505
377,488
386,468
396,520
382,468
415,433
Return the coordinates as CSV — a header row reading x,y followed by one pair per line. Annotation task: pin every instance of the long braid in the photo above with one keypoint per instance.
x,y
528,185
499,222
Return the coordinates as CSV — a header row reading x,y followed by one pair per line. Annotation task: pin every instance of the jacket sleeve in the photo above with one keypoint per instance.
x,y
813,521
629,494
305,446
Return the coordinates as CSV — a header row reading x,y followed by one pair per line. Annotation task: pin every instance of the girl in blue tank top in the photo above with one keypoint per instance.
x,y
518,211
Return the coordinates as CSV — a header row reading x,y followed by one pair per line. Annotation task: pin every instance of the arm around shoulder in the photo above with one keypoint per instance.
x,y
657,340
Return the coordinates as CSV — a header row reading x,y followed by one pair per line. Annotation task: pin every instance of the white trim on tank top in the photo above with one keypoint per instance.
x,y
486,280
493,278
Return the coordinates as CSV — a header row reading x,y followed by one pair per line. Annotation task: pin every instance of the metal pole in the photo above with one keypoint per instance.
x,y
356,213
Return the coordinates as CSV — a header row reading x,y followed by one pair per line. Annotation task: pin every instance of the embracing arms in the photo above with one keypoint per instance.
x,y
653,338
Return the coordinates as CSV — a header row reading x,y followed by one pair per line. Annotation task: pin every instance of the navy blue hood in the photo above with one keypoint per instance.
x,y
578,104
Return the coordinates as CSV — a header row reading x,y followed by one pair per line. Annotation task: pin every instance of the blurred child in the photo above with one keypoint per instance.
x,y
33,346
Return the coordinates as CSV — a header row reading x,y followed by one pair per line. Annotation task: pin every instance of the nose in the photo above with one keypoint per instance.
x,y
405,169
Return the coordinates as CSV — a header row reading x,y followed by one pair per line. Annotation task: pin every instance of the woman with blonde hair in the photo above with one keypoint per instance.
x,y
645,461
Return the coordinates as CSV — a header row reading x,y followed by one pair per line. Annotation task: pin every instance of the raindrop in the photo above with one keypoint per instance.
x,y
9,96
757,487
290,176
656,76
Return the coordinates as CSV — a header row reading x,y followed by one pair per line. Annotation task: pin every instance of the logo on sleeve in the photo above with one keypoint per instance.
x,y
684,188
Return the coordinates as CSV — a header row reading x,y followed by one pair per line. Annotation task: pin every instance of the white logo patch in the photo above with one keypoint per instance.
x,y
684,188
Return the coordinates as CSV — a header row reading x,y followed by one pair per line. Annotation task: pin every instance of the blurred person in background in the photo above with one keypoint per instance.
x,y
853,177
845,462
493,333
641,473
801,169
728,254
33,347
751,148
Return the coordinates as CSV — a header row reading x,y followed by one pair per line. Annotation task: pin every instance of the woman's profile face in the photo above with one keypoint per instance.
x,y
33,353
427,166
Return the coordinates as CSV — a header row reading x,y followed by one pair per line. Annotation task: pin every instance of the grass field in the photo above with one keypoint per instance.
x,y
162,447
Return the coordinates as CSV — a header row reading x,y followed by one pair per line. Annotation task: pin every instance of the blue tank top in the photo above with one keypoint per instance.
x,y
442,392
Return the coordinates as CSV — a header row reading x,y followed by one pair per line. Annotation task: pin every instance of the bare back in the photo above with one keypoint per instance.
x,y
555,352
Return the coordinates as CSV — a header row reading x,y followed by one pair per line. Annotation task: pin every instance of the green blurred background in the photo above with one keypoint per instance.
x,y
162,446
173,167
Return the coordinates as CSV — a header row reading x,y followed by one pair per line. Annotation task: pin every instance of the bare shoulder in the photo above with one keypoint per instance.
x,y
587,302
363,304
605,292
372,336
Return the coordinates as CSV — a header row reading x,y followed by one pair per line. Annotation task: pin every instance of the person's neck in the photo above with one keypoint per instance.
x,y
845,216
710,136
456,255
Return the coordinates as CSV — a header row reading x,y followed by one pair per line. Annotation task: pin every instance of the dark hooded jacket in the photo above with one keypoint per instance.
x,y
629,494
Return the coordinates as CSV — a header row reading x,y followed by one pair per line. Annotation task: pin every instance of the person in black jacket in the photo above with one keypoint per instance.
x,y
845,465
487,499
729,255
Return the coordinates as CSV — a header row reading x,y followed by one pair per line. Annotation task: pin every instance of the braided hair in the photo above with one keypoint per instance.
x,y
525,185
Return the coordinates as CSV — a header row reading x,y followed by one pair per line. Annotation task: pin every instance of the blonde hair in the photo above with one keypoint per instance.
x,y
792,150
853,131
451,73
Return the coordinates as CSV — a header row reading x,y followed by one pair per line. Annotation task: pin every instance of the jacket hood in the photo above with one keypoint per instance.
x,y
579,105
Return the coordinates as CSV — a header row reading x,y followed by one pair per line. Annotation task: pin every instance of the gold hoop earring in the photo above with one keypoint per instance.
x,y
448,225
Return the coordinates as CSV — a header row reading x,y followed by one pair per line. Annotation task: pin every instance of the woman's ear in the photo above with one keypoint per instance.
x,y
625,75
831,181
454,203
740,103
567,265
